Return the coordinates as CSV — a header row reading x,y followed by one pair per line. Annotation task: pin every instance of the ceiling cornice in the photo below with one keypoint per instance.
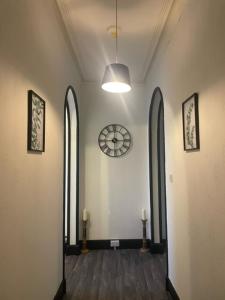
x,y
68,25
158,31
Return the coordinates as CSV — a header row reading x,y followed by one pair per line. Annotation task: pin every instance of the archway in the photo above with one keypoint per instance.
x,y
157,173
71,176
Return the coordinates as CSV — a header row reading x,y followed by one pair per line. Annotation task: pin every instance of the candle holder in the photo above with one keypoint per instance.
x,y
84,249
144,248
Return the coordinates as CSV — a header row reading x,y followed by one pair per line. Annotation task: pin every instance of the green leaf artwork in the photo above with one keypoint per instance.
x,y
190,128
37,123
191,123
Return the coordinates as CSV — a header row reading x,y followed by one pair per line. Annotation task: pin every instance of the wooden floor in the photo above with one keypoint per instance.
x,y
116,275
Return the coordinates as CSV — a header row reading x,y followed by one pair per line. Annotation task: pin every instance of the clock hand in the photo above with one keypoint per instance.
x,y
106,140
121,140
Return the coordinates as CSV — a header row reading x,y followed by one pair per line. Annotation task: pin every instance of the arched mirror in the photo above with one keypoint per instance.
x,y
71,172
157,173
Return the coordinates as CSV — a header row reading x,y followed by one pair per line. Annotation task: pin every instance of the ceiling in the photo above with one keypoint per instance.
x,y
141,23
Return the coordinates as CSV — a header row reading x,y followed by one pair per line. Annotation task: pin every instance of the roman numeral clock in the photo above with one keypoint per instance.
x,y
114,140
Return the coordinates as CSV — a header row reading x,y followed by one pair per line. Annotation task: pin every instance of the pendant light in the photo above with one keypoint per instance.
x,y
116,78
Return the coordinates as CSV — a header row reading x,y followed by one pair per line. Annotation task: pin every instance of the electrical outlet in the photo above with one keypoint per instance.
x,y
114,243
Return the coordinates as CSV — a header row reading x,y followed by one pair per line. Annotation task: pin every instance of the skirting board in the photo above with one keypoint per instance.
x,y
124,244
171,289
157,248
105,244
61,291
72,250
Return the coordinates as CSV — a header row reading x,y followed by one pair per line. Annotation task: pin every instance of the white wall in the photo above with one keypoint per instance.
x,y
191,58
114,190
34,54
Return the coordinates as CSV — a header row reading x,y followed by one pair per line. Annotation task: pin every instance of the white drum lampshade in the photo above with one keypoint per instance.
x,y
116,78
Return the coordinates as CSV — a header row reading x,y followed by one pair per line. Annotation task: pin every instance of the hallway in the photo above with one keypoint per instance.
x,y
116,275
84,164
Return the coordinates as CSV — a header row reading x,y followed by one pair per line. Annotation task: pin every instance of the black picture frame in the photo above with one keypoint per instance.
x,y
190,115
36,123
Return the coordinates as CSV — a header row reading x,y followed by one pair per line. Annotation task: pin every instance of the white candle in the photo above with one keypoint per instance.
x,y
143,214
85,215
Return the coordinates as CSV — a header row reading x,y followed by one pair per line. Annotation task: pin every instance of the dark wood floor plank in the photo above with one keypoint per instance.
x,y
70,262
116,275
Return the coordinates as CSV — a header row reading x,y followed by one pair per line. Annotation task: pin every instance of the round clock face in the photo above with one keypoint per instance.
x,y
114,140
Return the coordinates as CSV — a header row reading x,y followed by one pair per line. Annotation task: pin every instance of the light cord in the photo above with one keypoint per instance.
x,y
116,36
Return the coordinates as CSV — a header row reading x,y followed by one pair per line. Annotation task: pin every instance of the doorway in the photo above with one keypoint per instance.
x,y
157,173
71,176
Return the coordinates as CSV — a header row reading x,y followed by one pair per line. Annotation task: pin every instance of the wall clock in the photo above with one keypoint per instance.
x,y
114,140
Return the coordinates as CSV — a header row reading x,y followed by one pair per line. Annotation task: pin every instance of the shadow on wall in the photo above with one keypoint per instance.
x,y
32,45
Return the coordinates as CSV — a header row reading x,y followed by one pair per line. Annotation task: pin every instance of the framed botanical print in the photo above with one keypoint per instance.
x,y
191,123
36,122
